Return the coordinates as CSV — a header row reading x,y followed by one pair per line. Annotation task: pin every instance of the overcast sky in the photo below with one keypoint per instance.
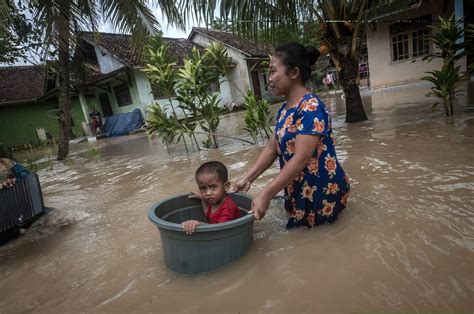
x,y
168,30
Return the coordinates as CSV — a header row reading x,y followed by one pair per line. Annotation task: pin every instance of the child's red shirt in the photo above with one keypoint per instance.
x,y
226,212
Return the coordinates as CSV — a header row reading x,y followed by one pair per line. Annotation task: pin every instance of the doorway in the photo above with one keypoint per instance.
x,y
105,105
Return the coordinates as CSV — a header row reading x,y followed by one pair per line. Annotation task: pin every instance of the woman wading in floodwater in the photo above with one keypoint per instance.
x,y
316,187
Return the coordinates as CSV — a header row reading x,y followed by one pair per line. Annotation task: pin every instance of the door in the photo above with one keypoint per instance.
x,y
105,105
256,84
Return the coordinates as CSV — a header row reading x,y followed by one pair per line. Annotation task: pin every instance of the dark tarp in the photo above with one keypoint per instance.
x,y
121,124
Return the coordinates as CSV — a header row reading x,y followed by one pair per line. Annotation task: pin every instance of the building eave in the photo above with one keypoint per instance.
x,y
18,102
215,39
95,44
412,5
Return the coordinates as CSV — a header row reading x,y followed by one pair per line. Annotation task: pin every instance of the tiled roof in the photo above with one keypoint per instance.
x,y
236,41
87,73
120,46
22,83
181,48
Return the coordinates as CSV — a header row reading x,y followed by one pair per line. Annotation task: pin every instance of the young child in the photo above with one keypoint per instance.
x,y
212,181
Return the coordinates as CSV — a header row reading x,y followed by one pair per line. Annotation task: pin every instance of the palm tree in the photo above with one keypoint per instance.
x,y
63,20
342,23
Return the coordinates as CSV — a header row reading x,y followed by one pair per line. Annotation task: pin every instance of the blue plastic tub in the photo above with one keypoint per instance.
x,y
211,246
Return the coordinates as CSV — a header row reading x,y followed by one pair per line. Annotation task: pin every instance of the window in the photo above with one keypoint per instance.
x,y
410,39
214,86
122,93
400,47
421,42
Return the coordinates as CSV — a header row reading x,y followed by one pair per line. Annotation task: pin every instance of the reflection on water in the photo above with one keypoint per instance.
x,y
405,242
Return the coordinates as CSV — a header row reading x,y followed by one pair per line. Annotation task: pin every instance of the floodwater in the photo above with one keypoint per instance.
x,y
405,242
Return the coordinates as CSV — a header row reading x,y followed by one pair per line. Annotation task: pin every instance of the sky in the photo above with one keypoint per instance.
x,y
168,30
171,31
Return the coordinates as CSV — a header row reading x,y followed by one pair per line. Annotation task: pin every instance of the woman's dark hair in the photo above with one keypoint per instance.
x,y
214,167
295,55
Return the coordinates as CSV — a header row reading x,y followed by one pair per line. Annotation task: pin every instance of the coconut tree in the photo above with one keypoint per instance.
x,y
64,18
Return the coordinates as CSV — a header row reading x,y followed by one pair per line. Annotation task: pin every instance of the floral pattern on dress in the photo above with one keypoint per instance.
x,y
320,191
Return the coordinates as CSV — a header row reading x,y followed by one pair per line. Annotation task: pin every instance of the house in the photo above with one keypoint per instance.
x,y
249,58
27,103
398,40
107,74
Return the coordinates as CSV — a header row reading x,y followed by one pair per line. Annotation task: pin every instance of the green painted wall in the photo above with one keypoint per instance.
x,y
18,123
140,91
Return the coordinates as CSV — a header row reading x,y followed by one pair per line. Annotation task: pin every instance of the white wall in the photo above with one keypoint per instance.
x,y
107,62
384,71
225,92
143,90
239,74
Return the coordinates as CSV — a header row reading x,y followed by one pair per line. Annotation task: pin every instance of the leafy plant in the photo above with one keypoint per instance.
x,y
251,116
190,87
94,154
264,118
158,123
444,88
446,37
210,114
163,77
193,92
217,60
257,117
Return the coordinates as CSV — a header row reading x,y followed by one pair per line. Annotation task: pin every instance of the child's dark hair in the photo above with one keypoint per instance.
x,y
295,55
214,167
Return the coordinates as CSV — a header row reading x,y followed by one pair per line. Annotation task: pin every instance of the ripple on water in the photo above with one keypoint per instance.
x,y
406,242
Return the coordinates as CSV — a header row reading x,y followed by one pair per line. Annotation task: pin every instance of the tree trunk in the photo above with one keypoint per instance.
x,y
349,78
64,87
64,100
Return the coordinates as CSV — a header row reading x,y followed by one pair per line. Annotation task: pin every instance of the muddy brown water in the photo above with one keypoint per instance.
x,y
404,244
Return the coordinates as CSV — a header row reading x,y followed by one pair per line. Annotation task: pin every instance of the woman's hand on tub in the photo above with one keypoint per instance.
x,y
189,226
260,205
243,185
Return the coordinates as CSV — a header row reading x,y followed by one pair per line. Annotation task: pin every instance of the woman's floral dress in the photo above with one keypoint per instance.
x,y
319,193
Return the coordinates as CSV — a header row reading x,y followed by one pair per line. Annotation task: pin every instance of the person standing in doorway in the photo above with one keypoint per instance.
x,y
96,120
